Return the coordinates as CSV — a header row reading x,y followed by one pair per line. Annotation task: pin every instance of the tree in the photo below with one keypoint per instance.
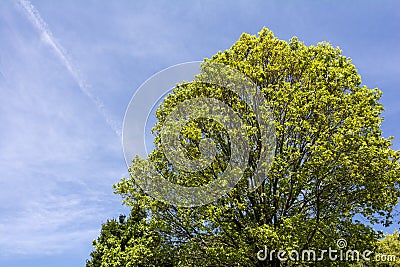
x,y
128,242
387,252
390,246
331,166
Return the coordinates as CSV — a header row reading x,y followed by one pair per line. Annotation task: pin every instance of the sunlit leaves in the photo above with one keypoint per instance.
x,y
331,165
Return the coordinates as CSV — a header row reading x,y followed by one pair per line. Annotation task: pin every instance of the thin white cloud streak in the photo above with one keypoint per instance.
x,y
35,18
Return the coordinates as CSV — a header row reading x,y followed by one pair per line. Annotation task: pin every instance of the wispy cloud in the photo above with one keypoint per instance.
x,y
45,226
34,17
58,158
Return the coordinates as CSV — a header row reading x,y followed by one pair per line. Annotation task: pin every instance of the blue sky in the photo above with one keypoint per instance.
x,y
66,80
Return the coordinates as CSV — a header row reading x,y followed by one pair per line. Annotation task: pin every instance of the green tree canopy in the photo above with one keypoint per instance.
x,y
390,246
331,166
128,241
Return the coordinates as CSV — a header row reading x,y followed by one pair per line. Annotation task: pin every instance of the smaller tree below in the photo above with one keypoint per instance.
x,y
128,242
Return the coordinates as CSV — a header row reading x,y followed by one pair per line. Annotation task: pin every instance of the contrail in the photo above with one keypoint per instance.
x,y
35,18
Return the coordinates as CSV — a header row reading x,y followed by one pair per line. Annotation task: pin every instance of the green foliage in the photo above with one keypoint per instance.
x,y
128,242
390,245
331,163
387,253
